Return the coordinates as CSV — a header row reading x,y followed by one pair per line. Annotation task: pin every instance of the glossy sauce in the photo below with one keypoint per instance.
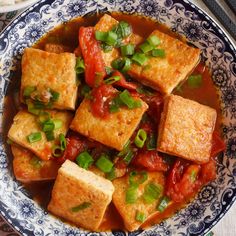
x,y
67,34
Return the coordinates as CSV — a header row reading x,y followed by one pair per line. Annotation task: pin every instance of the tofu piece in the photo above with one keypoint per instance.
x,y
186,129
105,24
74,187
46,70
28,168
25,123
164,74
56,48
113,131
128,211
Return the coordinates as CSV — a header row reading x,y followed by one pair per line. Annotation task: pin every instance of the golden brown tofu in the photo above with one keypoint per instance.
x,y
25,123
56,48
186,129
45,70
80,196
129,211
27,167
113,131
164,74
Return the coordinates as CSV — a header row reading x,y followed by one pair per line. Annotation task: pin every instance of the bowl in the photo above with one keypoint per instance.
x,y
214,200
18,5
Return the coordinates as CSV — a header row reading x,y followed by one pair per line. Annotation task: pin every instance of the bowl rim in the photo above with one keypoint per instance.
x,y
16,6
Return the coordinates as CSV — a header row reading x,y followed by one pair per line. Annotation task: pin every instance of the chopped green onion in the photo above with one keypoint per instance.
x,y
112,80
57,123
104,164
115,105
127,50
62,140
34,137
56,151
109,70
163,204
152,192
140,138
140,216
80,207
137,178
28,90
146,47
111,38
80,67
125,149
85,91
101,36
118,63
193,176
158,53
122,29
84,160
55,95
128,157
35,162
31,108
131,195
139,58
195,81
49,135
48,126
127,65
111,175
153,40
144,90
44,116
38,104
105,47
151,142
128,100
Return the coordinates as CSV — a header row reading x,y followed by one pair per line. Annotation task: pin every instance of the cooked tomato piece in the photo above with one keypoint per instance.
x,y
208,172
92,54
102,95
150,160
123,83
218,144
182,181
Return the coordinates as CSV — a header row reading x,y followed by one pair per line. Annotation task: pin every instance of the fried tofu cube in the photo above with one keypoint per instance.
x,y
45,70
186,129
80,196
164,74
129,211
27,167
113,131
56,48
25,123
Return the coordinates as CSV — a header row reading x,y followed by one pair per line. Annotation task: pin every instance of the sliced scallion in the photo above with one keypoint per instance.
x,y
55,95
28,90
48,126
139,58
31,108
137,178
151,142
152,192
34,137
100,36
127,50
128,100
146,47
118,63
193,176
153,40
111,38
111,175
122,29
35,162
163,204
131,195
140,138
44,116
56,151
128,157
84,160
140,216
112,80
158,53
57,123
104,164
195,81
49,135
62,140
80,67
81,207
126,65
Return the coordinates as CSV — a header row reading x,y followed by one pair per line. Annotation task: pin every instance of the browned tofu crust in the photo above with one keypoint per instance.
x,y
113,131
75,186
164,74
186,129
128,211
25,123
46,70
27,167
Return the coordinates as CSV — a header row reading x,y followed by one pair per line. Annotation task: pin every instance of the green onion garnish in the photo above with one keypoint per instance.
x,y
163,204
31,108
35,162
105,47
193,176
28,90
62,140
137,178
48,126
127,50
128,157
80,67
122,29
195,81
128,100
49,135
131,195
109,70
55,95
153,40
44,116
158,53
125,149
115,105
111,38
85,91
126,65
104,164
34,137
139,58
112,80
57,123
111,175
38,104
84,160
140,216
151,142
101,36
56,151
80,207
146,47
140,138
152,192
117,63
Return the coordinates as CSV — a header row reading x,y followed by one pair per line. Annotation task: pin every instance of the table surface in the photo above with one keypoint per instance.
x,y
227,225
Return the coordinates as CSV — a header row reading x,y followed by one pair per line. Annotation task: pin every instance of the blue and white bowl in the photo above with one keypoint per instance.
x,y
181,16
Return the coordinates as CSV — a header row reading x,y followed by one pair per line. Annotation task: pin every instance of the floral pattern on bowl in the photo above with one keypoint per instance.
x,y
17,206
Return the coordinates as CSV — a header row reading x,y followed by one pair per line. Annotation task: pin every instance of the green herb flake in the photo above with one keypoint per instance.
x,y
81,207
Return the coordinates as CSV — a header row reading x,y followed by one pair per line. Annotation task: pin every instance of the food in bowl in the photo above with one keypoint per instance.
x,y
122,114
